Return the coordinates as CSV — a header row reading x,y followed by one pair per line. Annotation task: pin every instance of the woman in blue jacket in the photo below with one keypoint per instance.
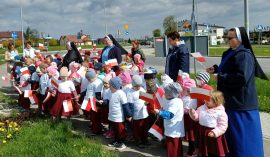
x,y
235,77
178,56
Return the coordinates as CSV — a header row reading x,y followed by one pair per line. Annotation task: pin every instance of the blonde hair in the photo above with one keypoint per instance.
x,y
217,97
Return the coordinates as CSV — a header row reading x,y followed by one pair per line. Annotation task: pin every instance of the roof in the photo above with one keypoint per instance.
x,y
75,39
8,34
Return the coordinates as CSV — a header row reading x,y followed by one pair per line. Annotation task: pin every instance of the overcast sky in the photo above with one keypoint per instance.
x,y
61,17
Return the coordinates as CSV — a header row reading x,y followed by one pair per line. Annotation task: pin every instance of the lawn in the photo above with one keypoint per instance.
x,y
49,139
259,50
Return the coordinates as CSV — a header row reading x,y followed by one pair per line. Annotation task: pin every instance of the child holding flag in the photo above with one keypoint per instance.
x,y
63,104
173,113
213,123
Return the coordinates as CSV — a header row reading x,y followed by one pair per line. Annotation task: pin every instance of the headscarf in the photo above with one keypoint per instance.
x,y
242,36
110,37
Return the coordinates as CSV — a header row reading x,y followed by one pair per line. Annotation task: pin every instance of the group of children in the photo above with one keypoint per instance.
x,y
113,99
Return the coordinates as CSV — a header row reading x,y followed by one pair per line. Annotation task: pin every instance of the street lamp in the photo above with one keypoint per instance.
x,y
246,16
22,26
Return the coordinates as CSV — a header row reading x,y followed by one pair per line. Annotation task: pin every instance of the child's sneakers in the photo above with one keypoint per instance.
x,y
113,144
120,146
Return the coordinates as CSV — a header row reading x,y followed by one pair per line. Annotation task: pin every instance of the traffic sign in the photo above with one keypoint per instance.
x,y
126,32
14,35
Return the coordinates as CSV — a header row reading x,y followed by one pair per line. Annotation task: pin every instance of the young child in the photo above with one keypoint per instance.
x,y
43,85
24,85
213,122
117,108
94,89
202,79
64,92
106,96
173,113
126,81
190,125
139,62
140,113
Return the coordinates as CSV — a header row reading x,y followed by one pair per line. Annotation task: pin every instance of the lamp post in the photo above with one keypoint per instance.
x,y
193,27
246,16
22,26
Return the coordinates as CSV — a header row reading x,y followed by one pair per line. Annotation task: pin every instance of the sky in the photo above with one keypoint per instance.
x,y
63,17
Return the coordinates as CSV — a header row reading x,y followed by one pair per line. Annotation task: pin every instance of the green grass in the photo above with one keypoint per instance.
x,y
47,139
259,50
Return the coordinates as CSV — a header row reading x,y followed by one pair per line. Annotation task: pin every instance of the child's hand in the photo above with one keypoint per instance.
x,y
192,112
129,119
101,101
210,70
211,134
156,111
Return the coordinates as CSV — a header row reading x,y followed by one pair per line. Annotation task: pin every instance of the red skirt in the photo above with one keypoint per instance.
x,y
217,146
190,128
57,109
24,102
141,133
174,147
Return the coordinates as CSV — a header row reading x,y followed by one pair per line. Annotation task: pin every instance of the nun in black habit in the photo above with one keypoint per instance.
x,y
72,55
236,79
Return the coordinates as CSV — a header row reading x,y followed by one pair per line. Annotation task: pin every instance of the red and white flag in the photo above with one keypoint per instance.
x,y
40,46
198,56
18,89
89,104
79,49
32,97
49,95
157,131
67,105
146,97
54,82
199,93
82,71
4,78
159,98
179,77
25,71
111,62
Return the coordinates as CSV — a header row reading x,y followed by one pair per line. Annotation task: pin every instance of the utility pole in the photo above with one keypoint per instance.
x,y
246,16
193,27
106,27
22,27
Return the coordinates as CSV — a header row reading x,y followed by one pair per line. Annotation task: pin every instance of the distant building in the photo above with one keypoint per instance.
x,y
7,35
214,31
78,40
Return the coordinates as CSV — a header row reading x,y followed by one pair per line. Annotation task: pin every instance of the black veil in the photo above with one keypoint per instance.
x,y
123,51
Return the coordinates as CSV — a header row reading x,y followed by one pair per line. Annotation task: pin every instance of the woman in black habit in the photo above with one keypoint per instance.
x,y
72,55
236,79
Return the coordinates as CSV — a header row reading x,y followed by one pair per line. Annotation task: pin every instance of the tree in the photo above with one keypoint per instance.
x,y
31,34
129,41
53,42
169,24
156,33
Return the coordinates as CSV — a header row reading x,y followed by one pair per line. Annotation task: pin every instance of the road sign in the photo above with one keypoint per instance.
x,y
14,35
126,26
126,32
260,27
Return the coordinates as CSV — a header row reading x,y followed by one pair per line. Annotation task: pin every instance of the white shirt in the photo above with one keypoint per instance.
x,y
84,84
106,94
29,52
66,86
127,88
93,88
43,83
174,127
35,77
140,109
24,79
189,103
209,117
116,113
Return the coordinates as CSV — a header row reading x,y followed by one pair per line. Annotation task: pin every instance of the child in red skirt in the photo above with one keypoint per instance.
x,y
117,110
140,112
213,122
172,113
190,125
24,85
64,92
94,89
43,85
106,96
